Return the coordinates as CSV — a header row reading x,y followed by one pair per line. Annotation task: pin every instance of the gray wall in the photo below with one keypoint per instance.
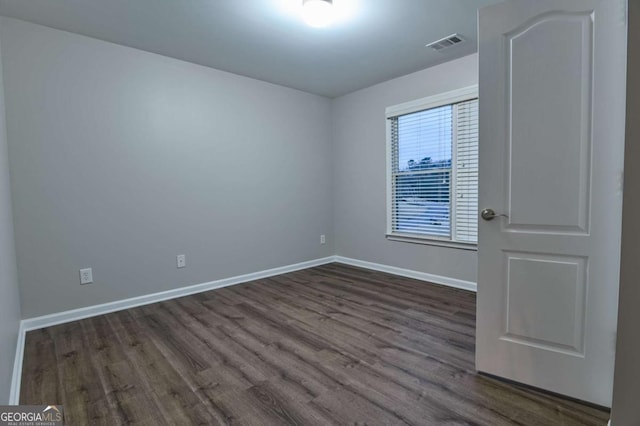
x,y
359,154
626,386
122,159
9,294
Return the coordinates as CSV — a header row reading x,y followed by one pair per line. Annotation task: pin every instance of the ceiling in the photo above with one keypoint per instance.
x,y
372,41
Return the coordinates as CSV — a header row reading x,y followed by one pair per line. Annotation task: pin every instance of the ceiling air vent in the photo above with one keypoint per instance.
x,y
449,41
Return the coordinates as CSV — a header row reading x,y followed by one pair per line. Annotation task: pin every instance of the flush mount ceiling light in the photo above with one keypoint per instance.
x,y
318,13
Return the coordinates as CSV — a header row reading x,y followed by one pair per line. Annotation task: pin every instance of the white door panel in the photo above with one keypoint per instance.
x,y
552,98
549,103
530,279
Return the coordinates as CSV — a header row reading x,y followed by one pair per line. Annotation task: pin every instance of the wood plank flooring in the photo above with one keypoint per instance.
x,y
328,345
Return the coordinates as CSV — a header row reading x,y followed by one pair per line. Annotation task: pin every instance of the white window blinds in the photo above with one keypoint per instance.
x,y
466,181
434,172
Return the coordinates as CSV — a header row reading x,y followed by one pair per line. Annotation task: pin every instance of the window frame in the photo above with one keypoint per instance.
x,y
447,98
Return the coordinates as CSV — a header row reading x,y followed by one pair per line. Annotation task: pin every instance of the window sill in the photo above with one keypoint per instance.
x,y
432,242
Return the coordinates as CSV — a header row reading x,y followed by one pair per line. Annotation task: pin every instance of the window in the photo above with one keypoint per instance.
x,y
433,169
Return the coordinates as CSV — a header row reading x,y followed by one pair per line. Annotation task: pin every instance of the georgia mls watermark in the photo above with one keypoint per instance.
x,y
31,415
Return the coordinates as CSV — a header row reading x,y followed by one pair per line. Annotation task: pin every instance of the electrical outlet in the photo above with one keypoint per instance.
x,y
181,261
86,276
322,239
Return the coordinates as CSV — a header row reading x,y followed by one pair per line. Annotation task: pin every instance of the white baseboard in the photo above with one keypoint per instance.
x,y
119,305
16,378
105,308
423,276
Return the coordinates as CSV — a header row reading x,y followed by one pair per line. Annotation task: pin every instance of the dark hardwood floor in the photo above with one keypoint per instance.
x,y
328,345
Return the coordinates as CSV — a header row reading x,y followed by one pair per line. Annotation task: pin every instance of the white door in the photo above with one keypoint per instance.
x,y
552,103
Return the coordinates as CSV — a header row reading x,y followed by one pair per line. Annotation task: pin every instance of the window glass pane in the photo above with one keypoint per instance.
x,y
422,172
424,139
